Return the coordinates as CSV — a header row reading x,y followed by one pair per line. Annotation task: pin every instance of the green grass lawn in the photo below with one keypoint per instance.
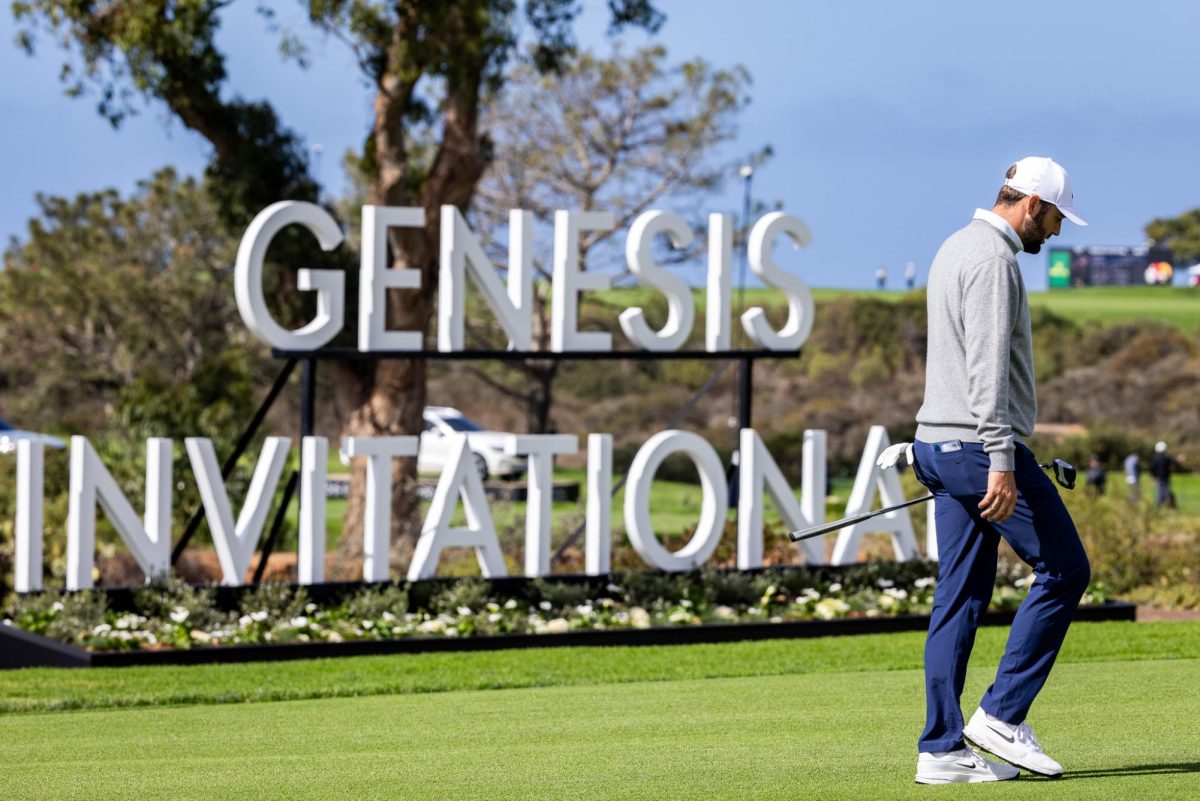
x,y
825,718
1176,306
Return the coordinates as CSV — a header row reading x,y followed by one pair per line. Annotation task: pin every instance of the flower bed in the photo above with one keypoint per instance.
x,y
177,616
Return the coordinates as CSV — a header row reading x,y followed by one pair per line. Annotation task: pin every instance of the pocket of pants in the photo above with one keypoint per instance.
x,y
958,474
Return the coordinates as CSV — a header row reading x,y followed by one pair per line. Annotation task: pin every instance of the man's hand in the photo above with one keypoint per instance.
x,y
1001,499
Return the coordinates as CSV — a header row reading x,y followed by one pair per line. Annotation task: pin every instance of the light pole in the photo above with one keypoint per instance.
x,y
745,366
747,173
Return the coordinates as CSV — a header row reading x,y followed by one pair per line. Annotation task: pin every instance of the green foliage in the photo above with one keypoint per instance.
x,y
1109,441
281,602
120,324
176,597
67,617
1170,596
560,595
469,593
371,602
1181,234
1117,536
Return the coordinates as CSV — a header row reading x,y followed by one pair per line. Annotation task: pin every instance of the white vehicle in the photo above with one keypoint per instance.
x,y
9,437
441,422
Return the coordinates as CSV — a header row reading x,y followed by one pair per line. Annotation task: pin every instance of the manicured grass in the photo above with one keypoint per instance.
x,y
45,689
830,719
1108,305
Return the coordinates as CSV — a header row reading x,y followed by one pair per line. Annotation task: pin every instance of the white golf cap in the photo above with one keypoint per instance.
x,y
1041,176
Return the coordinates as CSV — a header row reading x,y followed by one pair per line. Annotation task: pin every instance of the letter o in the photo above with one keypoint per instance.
x,y
714,502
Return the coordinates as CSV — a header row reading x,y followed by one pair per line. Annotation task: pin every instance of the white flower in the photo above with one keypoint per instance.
x,y
557,626
56,606
685,603
334,637
298,622
179,614
464,611
545,606
606,602
612,588
388,617
259,616
492,607
434,626
585,610
495,617
511,603
887,601
639,618
830,608
725,613
922,583
368,624
310,608
103,628
809,594
896,593
201,636
835,586
679,616
1027,581
885,583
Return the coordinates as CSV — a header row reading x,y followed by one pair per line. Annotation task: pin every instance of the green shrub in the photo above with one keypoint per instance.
x,y
1115,534
1174,596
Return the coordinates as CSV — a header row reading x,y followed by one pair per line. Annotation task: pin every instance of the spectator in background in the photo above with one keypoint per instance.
x,y
910,275
1160,468
1133,476
1097,476
881,277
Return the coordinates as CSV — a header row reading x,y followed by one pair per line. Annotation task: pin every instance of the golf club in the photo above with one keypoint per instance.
x,y
1064,474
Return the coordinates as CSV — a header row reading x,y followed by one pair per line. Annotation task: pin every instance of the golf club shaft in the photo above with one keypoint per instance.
x,y
825,528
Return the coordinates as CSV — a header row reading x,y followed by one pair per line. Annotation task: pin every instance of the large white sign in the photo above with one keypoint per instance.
x,y
462,255
236,540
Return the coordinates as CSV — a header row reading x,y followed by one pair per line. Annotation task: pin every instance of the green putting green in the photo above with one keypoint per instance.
x,y
831,718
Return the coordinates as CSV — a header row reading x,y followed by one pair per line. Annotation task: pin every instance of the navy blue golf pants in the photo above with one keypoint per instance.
x,y
1041,532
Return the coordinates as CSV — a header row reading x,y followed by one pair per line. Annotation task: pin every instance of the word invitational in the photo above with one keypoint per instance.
x,y
462,256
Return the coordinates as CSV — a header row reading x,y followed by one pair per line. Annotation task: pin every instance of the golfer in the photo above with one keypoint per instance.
x,y
979,404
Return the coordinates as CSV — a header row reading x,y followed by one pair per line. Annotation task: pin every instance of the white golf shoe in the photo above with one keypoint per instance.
x,y
1015,744
963,765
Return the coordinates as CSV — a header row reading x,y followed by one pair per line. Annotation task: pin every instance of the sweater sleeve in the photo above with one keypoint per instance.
x,y
991,295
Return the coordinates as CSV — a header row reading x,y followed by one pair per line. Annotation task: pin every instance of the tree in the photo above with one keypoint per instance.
x,y
430,65
1181,234
621,134
117,319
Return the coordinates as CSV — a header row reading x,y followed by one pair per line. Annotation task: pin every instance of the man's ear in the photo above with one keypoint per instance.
x,y
1033,204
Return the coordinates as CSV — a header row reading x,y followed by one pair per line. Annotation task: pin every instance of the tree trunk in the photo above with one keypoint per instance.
x,y
541,376
396,400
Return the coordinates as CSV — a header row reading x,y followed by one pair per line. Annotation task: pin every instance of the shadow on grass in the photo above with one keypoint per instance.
x,y
1128,770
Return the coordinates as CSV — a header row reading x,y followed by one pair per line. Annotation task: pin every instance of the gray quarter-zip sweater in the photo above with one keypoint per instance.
x,y
979,362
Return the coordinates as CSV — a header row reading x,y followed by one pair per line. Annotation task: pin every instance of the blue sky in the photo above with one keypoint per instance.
x,y
890,121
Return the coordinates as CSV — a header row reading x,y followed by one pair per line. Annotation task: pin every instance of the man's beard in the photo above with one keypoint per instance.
x,y
1032,232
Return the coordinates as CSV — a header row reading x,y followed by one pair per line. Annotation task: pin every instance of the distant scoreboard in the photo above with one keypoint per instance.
x,y
1108,266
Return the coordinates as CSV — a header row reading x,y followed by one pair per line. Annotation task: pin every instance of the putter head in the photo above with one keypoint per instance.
x,y
1064,473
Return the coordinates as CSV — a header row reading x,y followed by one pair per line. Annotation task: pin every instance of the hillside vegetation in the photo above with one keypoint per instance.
x,y
1124,362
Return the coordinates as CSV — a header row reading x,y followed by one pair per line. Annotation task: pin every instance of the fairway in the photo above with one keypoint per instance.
x,y
832,718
